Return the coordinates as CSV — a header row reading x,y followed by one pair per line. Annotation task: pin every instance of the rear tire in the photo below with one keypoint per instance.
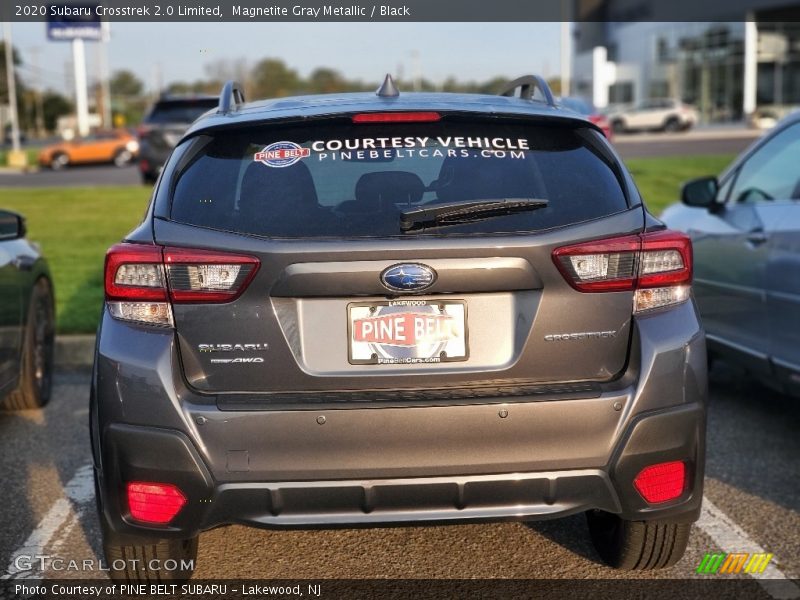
x,y
59,161
618,126
637,545
149,178
36,373
673,125
152,562
123,157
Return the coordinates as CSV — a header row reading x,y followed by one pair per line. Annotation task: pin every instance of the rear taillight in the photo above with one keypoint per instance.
x,y
141,280
657,266
203,276
135,284
661,482
142,131
155,503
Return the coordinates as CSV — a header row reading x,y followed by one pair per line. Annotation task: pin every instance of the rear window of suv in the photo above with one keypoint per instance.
x,y
356,180
180,111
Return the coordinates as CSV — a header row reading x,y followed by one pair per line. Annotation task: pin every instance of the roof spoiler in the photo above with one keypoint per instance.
x,y
528,84
231,97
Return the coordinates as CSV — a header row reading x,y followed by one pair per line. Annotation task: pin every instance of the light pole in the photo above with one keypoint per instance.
x,y
38,94
81,99
104,79
566,57
12,86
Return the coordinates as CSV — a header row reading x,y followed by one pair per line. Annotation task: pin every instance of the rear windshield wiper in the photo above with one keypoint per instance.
x,y
456,213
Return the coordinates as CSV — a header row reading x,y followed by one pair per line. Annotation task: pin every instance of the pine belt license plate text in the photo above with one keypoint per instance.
x,y
407,332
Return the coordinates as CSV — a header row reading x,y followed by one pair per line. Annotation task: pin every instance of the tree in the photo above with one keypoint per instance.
x,y
200,86
22,92
4,77
493,85
128,102
555,85
271,78
125,83
326,81
221,70
54,105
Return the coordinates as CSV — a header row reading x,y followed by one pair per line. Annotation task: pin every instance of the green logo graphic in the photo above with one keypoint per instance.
x,y
736,562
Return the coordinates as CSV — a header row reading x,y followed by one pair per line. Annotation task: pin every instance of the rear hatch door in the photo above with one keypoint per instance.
x,y
343,303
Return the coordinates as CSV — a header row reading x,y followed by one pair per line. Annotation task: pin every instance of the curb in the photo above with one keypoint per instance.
x,y
5,170
74,351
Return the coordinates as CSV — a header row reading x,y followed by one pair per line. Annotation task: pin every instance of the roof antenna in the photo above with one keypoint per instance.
x,y
388,89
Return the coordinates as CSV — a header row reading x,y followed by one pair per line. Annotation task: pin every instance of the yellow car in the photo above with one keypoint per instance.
x,y
118,147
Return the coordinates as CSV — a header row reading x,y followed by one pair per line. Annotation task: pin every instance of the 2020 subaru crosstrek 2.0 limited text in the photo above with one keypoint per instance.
x,y
397,308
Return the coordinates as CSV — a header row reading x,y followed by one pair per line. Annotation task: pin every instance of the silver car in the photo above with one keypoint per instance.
x,y
660,114
745,226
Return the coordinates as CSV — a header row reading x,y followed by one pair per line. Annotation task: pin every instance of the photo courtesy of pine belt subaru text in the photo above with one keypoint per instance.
x,y
397,308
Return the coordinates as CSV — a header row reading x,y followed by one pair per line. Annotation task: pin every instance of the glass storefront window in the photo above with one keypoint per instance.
x,y
778,64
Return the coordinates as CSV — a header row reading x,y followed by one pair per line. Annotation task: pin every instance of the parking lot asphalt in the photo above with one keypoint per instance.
x,y
95,175
752,504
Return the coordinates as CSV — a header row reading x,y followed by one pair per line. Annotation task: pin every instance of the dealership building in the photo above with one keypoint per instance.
x,y
726,68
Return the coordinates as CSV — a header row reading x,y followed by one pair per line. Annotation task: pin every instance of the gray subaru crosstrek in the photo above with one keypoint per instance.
x,y
396,308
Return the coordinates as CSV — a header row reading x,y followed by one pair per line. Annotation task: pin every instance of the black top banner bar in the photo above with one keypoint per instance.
x,y
267,11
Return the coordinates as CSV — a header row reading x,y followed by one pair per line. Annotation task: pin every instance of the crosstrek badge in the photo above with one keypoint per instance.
x,y
281,154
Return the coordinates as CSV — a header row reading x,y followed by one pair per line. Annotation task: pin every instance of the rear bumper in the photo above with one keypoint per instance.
x,y
509,458
154,158
149,454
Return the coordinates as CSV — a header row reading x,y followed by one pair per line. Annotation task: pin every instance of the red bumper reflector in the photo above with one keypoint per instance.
x,y
661,482
397,117
156,503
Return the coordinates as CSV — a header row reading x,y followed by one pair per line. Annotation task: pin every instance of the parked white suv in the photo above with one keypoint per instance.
x,y
659,114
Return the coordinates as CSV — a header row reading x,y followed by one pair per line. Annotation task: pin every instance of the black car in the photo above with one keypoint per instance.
x,y
163,127
26,318
370,309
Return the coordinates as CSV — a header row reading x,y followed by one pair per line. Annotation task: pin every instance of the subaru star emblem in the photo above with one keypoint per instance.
x,y
408,277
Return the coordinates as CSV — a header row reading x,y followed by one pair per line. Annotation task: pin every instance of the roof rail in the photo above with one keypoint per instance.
x,y
231,97
528,85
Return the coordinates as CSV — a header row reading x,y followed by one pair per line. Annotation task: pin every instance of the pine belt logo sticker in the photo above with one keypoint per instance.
x,y
719,563
281,154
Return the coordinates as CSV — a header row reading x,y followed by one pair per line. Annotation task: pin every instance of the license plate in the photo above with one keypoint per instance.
x,y
407,332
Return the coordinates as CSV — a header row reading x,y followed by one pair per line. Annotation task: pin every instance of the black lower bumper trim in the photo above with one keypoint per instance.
x,y
133,453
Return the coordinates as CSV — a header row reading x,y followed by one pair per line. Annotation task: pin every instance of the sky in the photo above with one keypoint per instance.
x,y
169,52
